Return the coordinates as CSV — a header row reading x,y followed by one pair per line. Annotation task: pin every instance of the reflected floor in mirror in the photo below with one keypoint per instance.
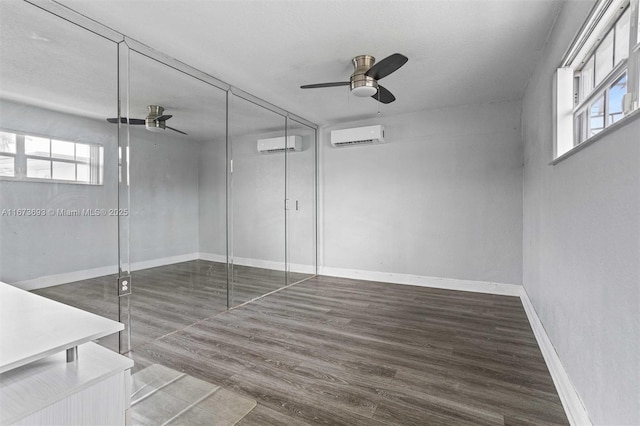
x,y
162,396
169,298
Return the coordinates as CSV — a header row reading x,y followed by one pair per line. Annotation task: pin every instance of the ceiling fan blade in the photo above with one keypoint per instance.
x,y
384,96
176,130
123,120
163,117
320,85
387,66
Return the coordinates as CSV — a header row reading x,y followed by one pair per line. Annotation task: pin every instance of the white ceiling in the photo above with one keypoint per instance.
x,y
49,63
460,52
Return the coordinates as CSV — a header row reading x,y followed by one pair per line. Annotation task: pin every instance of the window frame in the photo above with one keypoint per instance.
x,y
10,154
603,89
95,162
571,116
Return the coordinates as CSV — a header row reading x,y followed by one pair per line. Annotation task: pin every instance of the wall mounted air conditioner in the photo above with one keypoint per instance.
x,y
293,143
357,136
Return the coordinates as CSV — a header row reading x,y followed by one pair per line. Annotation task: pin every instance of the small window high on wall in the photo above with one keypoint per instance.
x,y
598,83
41,159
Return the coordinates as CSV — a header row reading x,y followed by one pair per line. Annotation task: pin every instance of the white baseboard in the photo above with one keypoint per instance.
x,y
67,277
163,261
260,263
422,281
86,274
211,257
302,269
573,406
244,261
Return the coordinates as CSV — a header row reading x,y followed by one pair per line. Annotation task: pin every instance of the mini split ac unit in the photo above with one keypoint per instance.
x,y
292,143
357,136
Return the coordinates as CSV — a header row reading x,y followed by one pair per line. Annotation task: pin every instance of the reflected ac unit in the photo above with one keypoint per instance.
x,y
292,143
358,136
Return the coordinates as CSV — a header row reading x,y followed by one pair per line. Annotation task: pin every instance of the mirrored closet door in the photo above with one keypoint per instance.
x,y
177,225
257,194
301,201
58,160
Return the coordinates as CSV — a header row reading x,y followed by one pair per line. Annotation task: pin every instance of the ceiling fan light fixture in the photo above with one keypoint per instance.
x,y
363,85
364,91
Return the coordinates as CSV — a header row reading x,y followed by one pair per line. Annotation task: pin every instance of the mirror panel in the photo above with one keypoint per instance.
x,y
257,203
301,196
58,160
177,199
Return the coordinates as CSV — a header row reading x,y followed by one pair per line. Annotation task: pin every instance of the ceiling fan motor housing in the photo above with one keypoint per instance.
x,y
361,84
151,123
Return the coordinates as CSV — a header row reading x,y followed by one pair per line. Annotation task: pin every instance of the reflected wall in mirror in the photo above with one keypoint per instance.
x,y
177,199
257,249
301,201
58,160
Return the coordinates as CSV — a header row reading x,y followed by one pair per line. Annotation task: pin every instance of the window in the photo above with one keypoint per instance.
x,y
598,84
7,154
30,158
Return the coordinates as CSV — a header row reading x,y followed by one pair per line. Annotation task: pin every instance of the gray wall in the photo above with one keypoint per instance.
x,y
177,202
212,172
31,247
301,225
582,245
442,198
258,216
164,201
164,195
258,197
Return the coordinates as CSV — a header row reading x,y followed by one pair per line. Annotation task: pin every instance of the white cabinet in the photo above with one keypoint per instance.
x,y
37,384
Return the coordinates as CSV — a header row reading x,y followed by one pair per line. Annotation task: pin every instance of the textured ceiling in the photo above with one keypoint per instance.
x,y
460,52
50,63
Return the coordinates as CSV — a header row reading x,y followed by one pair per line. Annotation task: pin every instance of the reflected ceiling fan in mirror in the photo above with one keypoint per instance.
x,y
155,121
364,80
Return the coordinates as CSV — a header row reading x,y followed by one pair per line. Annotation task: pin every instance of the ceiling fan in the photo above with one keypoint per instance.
x,y
364,80
155,121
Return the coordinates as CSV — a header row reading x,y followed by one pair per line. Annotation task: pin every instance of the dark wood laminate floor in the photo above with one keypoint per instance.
x,y
345,352
169,298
